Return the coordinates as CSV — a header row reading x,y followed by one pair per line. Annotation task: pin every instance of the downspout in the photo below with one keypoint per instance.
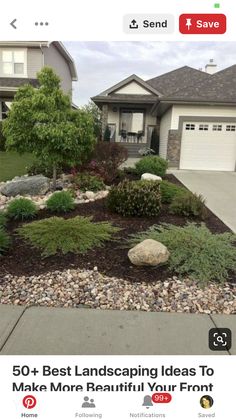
x,y
41,48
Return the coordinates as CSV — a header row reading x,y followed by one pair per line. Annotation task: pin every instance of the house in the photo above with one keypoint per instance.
x,y
21,61
194,112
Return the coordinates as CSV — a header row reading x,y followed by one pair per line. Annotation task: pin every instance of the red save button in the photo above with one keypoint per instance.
x,y
202,24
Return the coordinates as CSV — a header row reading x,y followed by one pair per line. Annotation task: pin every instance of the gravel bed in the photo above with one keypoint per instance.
x,y
91,289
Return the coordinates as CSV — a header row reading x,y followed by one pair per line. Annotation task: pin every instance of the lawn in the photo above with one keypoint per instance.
x,y
12,164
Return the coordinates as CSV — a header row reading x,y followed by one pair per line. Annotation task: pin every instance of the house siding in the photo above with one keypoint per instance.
x,y
132,88
34,62
204,111
53,58
165,126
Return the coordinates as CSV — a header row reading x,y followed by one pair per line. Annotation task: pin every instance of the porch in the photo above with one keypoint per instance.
x,y
132,126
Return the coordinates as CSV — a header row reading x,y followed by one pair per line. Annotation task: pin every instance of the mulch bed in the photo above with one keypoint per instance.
x,y
111,260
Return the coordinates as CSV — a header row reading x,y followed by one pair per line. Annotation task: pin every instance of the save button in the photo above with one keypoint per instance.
x,y
202,24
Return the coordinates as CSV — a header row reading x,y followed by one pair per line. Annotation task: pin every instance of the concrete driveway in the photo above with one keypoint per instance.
x,y
218,188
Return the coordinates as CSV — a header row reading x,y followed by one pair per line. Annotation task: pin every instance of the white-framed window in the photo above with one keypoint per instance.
x,y
230,127
13,63
203,127
190,127
216,127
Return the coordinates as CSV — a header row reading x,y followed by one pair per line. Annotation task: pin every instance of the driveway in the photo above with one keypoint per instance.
x,y
218,188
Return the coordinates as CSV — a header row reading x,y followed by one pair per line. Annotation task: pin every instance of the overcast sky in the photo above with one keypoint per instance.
x,y
102,64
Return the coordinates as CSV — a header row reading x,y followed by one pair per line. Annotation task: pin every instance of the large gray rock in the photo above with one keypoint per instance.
x,y
26,185
148,253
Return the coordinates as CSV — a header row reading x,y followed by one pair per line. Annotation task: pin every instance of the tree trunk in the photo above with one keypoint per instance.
x,y
54,184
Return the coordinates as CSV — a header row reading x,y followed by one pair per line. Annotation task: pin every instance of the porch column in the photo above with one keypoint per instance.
x,y
104,118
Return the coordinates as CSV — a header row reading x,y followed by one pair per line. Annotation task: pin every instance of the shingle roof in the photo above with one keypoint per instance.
x,y
219,87
178,79
16,82
126,98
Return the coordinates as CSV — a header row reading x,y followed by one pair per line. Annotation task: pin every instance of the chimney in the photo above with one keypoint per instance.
x,y
211,67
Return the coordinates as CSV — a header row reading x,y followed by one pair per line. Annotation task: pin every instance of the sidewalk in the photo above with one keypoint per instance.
x,y
63,331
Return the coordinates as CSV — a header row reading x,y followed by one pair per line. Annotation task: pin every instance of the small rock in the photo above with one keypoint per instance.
x,y
89,195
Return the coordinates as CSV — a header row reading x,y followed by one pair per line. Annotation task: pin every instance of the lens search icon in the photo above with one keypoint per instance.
x,y
220,339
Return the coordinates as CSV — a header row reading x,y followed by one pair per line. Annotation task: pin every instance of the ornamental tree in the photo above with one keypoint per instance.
x,y
41,121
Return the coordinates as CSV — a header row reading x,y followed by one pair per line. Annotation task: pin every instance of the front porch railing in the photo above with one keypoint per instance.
x,y
132,138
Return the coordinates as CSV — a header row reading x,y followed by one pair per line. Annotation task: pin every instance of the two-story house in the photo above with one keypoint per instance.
x,y
21,61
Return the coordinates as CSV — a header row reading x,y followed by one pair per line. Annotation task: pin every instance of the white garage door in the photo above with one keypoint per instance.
x,y
208,146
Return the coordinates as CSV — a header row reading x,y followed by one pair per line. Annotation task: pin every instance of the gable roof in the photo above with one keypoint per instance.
x,y
128,80
178,79
219,87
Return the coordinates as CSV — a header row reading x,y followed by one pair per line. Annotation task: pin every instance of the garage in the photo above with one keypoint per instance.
x,y
208,146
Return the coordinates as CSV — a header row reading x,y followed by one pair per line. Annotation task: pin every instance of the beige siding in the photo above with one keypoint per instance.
x,y
54,59
134,89
204,111
165,126
34,62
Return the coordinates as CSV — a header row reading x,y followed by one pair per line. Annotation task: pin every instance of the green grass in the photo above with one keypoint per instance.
x,y
12,164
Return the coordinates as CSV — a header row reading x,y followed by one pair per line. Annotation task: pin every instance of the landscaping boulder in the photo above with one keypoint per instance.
x,y
149,176
148,253
26,185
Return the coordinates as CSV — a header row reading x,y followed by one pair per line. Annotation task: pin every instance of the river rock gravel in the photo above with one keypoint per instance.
x,y
91,289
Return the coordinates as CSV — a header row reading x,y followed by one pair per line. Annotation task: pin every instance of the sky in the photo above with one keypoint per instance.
x,y
100,65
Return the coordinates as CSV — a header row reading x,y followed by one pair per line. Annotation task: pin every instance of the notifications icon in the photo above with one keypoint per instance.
x,y
29,402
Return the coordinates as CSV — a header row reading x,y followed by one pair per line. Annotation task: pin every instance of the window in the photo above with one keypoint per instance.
x,y
217,128
230,127
190,127
132,121
4,109
13,63
203,127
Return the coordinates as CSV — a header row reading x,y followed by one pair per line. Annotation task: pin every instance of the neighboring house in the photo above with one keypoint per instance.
x,y
21,61
194,112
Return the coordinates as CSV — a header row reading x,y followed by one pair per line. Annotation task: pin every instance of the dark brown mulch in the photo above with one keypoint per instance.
x,y
110,259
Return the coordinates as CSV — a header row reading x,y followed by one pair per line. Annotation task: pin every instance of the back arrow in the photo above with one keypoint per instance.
x,y
13,23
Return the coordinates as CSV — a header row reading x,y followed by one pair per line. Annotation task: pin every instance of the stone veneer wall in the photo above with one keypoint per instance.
x,y
173,148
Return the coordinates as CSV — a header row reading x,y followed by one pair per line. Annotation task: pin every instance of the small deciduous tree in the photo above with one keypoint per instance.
x,y
96,114
41,121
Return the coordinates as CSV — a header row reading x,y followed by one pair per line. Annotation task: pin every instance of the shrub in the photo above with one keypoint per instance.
x,y
169,191
87,182
4,241
136,198
21,209
152,164
106,159
107,134
77,235
155,141
195,251
3,219
41,168
60,202
2,139
189,205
